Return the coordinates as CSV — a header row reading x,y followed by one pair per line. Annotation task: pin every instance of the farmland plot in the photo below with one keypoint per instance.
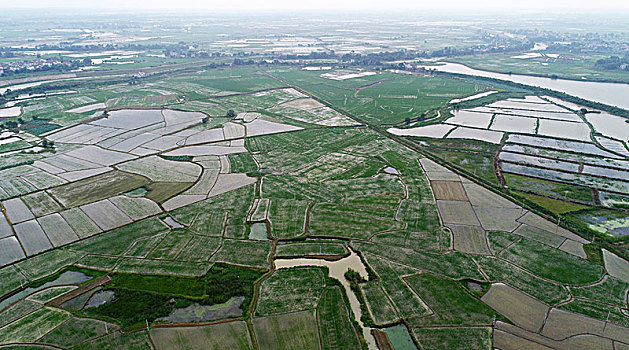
x,y
82,225
203,150
514,124
459,338
264,127
49,294
450,303
436,131
451,264
471,119
337,332
518,104
570,178
144,246
205,183
556,265
15,186
199,248
97,188
170,245
288,331
106,215
469,239
616,266
42,180
75,331
561,145
333,224
543,236
613,145
5,227
131,143
499,219
41,203
17,311
230,182
161,267
453,212
29,328
476,134
609,125
408,304
566,156
57,229
245,253
49,262
448,190
99,156
32,237
118,340
287,217
259,210
17,211
291,290
161,170
380,307
520,308
541,162
87,108
130,119
312,248
10,250
564,130
231,335
136,208
480,196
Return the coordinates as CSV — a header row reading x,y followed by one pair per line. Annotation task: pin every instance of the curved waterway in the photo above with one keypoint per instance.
x,y
337,270
613,94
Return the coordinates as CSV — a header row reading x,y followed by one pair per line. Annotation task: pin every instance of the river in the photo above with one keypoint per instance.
x,y
337,270
613,94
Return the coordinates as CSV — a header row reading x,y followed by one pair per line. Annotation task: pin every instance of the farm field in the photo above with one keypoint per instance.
x,y
556,155
556,64
166,215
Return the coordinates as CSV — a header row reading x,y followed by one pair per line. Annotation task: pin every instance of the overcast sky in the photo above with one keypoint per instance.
x,y
325,5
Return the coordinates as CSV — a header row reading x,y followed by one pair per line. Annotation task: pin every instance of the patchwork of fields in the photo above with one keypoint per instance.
x,y
559,155
158,224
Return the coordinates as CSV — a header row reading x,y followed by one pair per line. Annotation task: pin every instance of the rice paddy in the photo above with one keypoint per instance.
x,y
187,214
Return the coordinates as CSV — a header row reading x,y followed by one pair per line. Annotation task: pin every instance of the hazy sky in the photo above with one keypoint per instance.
x,y
396,5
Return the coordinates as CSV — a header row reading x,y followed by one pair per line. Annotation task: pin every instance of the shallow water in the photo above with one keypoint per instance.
x,y
172,223
68,277
337,270
391,171
100,298
613,94
400,338
199,313
259,232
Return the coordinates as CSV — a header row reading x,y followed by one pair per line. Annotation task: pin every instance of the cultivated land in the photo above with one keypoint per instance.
x,y
160,213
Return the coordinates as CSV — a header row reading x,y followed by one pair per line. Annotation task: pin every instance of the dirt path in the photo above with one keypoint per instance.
x,y
358,89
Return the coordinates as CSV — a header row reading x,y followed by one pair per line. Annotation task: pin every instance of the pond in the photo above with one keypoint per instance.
x,y
258,231
68,277
100,298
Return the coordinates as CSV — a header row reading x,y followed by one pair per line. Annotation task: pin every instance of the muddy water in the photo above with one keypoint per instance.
x,y
337,270
613,94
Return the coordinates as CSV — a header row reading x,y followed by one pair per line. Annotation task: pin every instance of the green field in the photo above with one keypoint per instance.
x,y
307,158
